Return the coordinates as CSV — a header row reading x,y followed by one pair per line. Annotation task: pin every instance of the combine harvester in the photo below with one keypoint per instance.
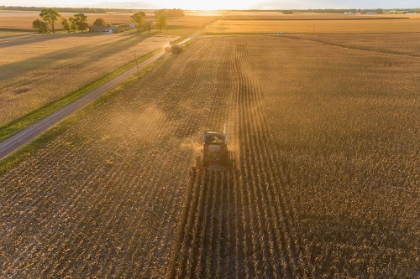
x,y
211,199
215,153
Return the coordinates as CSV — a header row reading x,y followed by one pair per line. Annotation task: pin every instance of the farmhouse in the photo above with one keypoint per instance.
x,y
108,29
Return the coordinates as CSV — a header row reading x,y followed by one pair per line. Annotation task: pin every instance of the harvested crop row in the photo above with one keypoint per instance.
x,y
103,198
238,227
205,242
302,205
326,144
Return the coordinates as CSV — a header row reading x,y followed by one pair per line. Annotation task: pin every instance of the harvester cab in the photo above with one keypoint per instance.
x,y
215,153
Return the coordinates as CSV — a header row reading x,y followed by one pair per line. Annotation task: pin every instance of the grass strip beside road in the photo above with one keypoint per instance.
x,y
12,160
24,122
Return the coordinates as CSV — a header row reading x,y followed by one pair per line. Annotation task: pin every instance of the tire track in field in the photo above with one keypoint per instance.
x,y
95,218
204,242
240,227
266,172
199,251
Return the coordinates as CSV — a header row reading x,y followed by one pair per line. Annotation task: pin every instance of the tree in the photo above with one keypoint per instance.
x,y
73,25
66,25
148,26
99,22
40,25
161,18
139,20
80,20
50,16
162,21
175,13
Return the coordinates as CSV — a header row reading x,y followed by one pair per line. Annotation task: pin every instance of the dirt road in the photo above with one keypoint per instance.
x,y
12,144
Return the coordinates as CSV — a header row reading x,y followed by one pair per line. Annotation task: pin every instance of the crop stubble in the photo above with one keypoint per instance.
x,y
263,23
38,70
103,199
328,187
233,226
326,147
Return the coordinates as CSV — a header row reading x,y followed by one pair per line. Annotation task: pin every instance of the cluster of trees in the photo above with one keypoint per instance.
x,y
362,11
174,12
69,10
139,20
161,16
79,22
100,22
50,16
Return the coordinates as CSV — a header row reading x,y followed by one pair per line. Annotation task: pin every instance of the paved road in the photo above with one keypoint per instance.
x,y
12,144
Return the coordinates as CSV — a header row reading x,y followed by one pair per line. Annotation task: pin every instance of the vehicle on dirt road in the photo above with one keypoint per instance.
x,y
176,49
173,49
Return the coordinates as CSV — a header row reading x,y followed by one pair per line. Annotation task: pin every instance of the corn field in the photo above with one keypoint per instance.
x,y
326,185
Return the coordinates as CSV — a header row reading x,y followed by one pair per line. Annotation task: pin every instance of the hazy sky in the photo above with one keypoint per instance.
x,y
219,4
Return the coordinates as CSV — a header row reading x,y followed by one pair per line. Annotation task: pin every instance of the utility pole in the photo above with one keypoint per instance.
x,y
136,63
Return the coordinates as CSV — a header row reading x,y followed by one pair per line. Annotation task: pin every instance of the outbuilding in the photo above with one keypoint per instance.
x,y
108,29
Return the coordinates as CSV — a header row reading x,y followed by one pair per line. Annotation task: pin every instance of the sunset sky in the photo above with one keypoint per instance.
x,y
218,4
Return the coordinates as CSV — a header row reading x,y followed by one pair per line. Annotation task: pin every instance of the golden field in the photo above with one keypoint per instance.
x,y
326,145
324,130
396,43
260,23
38,69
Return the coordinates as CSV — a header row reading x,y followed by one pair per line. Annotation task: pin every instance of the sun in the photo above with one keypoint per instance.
x,y
213,5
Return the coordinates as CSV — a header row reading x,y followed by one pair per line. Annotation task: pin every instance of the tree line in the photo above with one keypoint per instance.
x,y
79,22
336,11
70,10
50,16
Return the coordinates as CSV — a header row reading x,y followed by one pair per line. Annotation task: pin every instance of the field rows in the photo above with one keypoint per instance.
x,y
390,43
346,140
319,26
326,182
103,199
238,226
40,69
264,223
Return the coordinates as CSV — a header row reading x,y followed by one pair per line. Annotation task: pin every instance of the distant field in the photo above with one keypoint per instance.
x,y
272,23
242,15
397,43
